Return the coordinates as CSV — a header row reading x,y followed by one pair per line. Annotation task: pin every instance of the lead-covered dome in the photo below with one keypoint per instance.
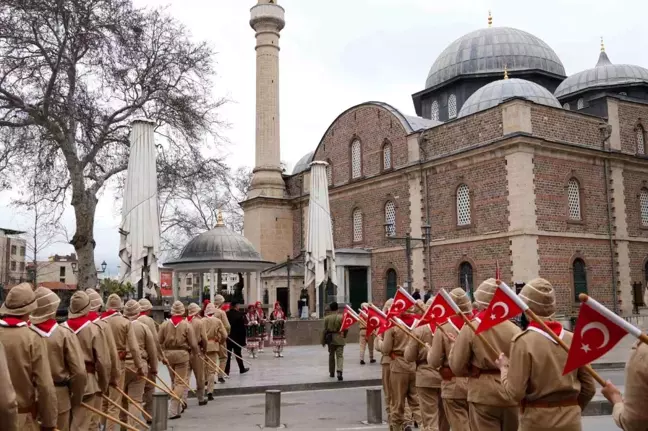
x,y
489,50
496,92
604,74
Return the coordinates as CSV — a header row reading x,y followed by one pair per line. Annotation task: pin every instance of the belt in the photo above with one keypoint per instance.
x,y
423,362
475,372
90,368
394,354
446,373
121,354
30,410
548,404
215,340
63,384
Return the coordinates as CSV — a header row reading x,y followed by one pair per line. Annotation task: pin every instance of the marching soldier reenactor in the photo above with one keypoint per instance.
x,y
126,344
534,377
145,318
195,363
216,335
364,342
428,381
454,390
93,352
178,343
28,366
385,361
222,316
64,353
8,404
490,409
402,377
334,340
133,384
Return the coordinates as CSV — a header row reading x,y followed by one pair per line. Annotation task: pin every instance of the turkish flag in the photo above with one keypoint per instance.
x,y
438,312
403,301
594,336
376,319
349,318
501,308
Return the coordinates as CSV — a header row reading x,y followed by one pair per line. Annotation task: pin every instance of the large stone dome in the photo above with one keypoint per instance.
x,y
603,75
496,92
489,50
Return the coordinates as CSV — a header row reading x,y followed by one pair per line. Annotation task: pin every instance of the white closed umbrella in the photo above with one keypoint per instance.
x,y
139,245
319,241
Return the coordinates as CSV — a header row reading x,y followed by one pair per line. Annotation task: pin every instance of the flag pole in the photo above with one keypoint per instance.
x,y
408,332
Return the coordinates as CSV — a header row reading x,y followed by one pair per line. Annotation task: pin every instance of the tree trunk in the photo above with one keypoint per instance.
x,y
83,241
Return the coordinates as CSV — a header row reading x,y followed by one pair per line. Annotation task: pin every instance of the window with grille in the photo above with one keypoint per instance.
x,y
387,159
356,159
463,205
357,225
452,106
573,196
580,278
329,174
435,111
566,106
466,278
391,282
643,200
580,104
390,218
641,140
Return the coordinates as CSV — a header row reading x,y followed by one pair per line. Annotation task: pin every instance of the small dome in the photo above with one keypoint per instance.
x,y
303,163
604,74
488,50
496,92
219,244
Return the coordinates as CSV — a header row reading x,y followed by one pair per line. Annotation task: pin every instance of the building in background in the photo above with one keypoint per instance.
x,y
57,269
13,250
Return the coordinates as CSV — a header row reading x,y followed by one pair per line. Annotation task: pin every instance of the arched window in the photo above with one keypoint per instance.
x,y
580,278
566,106
390,218
387,156
434,113
329,174
391,283
452,106
357,225
463,205
356,159
641,140
643,201
580,104
573,198
466,278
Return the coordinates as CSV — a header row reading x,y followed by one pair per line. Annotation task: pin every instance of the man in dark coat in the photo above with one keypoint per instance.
x,y
236,338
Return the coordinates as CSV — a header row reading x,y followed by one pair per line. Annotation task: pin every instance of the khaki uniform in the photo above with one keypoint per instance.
x,y
8,405
95,358
631,414
68,370
31,377
149,389
402,378
195,363
491,409
216,336
454,390
332,324
178,343
364,343
147,352
549,400
385,364
222,356
126,344
428,382
112,363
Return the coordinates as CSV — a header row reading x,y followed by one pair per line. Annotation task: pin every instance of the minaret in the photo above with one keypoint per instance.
x,y
267,20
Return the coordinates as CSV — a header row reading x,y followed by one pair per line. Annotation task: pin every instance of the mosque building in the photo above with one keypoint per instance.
x,y
508,162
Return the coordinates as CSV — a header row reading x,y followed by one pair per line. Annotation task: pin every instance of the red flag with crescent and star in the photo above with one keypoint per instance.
x,y
376,319
438,312
403,301
349,318
595,335
502,307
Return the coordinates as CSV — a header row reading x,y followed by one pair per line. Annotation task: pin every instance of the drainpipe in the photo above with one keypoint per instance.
x,y
428,238
606,129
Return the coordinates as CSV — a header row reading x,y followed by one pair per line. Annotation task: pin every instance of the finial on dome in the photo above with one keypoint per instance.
x,y
490,19
505,72
602,45
219,219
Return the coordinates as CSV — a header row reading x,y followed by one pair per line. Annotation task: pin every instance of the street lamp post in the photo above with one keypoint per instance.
x,y
390,233
75,269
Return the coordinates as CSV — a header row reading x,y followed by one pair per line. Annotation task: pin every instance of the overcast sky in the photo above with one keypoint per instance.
x,y
337,53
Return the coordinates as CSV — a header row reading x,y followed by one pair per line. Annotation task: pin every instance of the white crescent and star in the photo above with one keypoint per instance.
x,y
504,306
399,305
601,327
442,310
374,321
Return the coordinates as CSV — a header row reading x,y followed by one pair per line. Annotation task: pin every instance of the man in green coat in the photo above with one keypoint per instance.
x,y
332,338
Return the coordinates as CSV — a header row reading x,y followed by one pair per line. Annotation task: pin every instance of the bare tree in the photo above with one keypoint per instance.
x,y
74,73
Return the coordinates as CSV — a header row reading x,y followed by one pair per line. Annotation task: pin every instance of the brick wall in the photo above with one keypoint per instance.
x,y
561,125
633,182
488,194
373,125
380,263
556,257
551,178
463,133
631,114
